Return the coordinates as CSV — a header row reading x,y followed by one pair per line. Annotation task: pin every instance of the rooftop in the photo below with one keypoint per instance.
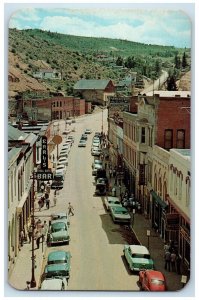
x,y
91,84
183,94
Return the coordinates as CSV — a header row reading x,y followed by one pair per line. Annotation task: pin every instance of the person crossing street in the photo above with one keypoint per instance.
x,y
70,209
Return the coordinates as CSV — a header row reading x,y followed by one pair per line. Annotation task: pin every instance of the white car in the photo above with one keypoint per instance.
x,y
61,167
71,138
96,139
54,284
63,154
87,131
111,201
63,160
95,151
60,172
95,144
66,148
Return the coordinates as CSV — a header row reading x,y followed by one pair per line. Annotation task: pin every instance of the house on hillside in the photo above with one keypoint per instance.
x,y
96,91
47,74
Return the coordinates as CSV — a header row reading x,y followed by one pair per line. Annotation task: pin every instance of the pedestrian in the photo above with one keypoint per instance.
x,y
40,204
167,258
53,157
38,224
37,237
110,172
55,199
21,237
48,187
105,165
173,261
178,264
43,233
114,172
70,209
166,247
47,203
30,231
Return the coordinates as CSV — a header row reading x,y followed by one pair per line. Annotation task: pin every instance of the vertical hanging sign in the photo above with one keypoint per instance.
x,y
44,153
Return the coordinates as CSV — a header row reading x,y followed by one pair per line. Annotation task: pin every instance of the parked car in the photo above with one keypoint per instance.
x,y
87,131
111,201
58,233
60,167
138,257
63,160
60,257
97,161
95,168
120,214
82,143
61,216
63,154
60,172
58,178
97,134
95,151
84,137
101,186
95,144
101,173
71,138
54,284
57,185
66,148
151,280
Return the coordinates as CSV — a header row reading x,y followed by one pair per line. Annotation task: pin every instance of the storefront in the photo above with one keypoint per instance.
x,y
157,215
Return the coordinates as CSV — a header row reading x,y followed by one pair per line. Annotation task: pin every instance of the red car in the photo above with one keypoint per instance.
x,y
151,280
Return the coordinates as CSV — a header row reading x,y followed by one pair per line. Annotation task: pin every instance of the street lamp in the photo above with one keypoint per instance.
x,y
33,281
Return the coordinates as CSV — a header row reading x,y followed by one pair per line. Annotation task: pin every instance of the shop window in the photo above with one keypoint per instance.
x,y
180,142
168,138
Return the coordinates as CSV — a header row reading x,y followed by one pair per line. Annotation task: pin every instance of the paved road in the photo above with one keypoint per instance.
x,y
96,242
157,83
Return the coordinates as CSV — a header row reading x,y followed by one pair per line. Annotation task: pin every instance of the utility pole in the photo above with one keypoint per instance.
x,y
33,281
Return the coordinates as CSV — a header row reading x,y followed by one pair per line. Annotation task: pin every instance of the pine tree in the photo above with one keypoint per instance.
x,y
184,60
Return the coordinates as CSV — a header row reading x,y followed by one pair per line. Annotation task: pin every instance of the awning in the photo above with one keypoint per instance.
x,y
158,199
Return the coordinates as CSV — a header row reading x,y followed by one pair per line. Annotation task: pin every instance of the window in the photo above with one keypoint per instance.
x,y
180,142
143,135
168,138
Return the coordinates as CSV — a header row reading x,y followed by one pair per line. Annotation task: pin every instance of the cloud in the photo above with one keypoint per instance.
x,y
145,26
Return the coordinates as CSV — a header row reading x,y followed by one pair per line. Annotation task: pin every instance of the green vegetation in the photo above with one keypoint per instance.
x,y
85,57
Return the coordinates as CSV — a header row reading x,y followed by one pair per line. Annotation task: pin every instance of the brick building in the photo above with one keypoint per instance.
x,y
57,107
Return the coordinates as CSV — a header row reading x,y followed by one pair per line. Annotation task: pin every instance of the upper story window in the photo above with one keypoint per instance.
x,y
168,138
143,135
180,139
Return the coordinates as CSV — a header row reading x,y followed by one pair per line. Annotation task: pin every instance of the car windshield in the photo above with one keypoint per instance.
x,y
157,281
56,273
140,255
54,262
58,227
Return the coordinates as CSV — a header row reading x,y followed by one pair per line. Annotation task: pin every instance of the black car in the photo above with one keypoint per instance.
x,y
84,137
57,185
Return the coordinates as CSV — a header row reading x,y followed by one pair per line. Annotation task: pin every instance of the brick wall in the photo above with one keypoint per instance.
x,y
172,114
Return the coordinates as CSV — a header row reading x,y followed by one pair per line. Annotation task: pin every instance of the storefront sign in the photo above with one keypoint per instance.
x,y
44,176
44,153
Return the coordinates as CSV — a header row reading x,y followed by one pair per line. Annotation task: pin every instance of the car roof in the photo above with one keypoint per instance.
x,y
59,215
56,267
152,274
52,284
58,255
111,198
139,249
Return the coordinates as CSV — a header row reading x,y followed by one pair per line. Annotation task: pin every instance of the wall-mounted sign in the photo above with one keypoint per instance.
x,y
172,221
44,153
44,176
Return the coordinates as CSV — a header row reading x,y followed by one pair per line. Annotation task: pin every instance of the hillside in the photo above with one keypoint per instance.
x,y
77,57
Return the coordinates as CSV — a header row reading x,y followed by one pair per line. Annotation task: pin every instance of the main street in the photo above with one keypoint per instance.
x,y
96,243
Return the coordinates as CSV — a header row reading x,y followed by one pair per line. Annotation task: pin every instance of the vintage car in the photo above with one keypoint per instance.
x,y
138,257
61,216
111,201
151,280
120,214
96,167
58,233
82,143
57,271
96,151
57,185
100,188
54,284
87,131
97,161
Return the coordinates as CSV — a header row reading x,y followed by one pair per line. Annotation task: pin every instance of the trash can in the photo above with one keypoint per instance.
x,y
113,192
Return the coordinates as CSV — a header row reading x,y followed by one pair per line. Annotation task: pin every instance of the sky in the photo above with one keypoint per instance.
x,y
150,26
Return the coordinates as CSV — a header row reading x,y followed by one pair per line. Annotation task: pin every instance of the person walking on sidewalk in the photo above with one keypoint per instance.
x,y
37,238
22,237
55,198
30,231
47,203
70,209
167,258
173,261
